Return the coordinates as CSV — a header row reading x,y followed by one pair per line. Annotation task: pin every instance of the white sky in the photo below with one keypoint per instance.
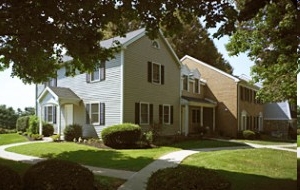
x,y
14,93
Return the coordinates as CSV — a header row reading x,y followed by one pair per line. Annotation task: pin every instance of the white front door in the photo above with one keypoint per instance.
x,y
68,115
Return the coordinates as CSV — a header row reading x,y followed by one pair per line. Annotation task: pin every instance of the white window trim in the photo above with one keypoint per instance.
x,y
148,114
92,74
199,91
169,114
90,112
187,86
159,73
46,118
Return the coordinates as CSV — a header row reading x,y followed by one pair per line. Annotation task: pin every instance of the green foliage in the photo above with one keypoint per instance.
x,y
48,129
270,39
22,123
187,177
36,136
10,179
48,23
8,116
58,175
72,132
148,137
7,131
122,135
248,134
55,137
33,125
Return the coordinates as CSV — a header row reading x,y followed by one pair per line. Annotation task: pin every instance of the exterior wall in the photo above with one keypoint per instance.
x,y
107,91
138,89
277,128
222,89
192,94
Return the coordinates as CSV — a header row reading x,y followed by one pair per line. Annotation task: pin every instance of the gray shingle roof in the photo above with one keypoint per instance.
x,y
64,93
277,111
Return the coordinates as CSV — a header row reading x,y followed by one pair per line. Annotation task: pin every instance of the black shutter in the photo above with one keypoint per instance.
x,y
102,114
54,114
88,78
87,117
137,113
45,114
171,115
55,82
151,114
160,112
162,74
149,72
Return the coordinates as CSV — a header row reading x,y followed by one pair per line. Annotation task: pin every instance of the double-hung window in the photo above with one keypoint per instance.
x,y
185,82
95,113
197,86
50,114
98,74
156,73
196,116
144,114
166,114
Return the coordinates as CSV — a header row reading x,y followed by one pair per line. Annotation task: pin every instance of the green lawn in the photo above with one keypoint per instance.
x,y
264,142
133,160
298,140
11,138
251,169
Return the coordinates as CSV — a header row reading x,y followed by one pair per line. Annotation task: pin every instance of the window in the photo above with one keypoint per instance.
x,y
166,114
50,114
197,86
155,44
143,113
95,113
51,82
155,73
97,75
185,82
196,116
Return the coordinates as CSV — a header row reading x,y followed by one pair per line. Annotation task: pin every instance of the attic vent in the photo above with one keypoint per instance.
x,y
155,44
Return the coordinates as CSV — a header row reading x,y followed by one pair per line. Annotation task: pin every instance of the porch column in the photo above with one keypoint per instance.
x,y
201,115
186,119
40,119
214,119
58,120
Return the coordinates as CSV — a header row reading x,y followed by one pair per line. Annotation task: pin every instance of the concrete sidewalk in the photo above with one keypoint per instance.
x,y
138,180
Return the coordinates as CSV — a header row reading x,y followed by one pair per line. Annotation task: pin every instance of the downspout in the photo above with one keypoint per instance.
x,y
238,106
122,88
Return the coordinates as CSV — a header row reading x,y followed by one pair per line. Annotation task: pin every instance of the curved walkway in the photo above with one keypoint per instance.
x,y
138,180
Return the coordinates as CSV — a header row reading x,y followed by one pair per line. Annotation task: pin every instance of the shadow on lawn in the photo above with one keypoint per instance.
x,y
257,182
103,158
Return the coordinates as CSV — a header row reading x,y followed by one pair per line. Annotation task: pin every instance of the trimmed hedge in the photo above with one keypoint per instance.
x,y
10,179
33,125
249,135
121,136
48,130
187,177
58,175
22,123
72,132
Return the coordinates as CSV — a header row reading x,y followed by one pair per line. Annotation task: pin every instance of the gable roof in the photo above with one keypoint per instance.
x,y
210,67
129,38
65,95
277,111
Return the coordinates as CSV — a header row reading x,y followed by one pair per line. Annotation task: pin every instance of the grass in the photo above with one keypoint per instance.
x,y
130,159
265,142
251,169
11,138
298,140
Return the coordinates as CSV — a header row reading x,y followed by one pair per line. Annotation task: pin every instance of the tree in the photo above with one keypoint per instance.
x,y
8,117
33,34
194,40
268,32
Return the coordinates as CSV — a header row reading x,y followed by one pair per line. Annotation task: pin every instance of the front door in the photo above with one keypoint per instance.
x,y
68,115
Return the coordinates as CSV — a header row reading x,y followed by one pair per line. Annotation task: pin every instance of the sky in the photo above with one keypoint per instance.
x,y
14,93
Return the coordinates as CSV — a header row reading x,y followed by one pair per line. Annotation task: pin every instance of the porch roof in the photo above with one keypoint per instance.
x,y
185,100
61,95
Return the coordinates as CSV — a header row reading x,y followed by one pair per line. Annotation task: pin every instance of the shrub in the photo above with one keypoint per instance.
x,y
33,125
122,135
148,137
55,137
248,134
36,137
72,131
10,179
48,129
176,178
58,175
22,123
